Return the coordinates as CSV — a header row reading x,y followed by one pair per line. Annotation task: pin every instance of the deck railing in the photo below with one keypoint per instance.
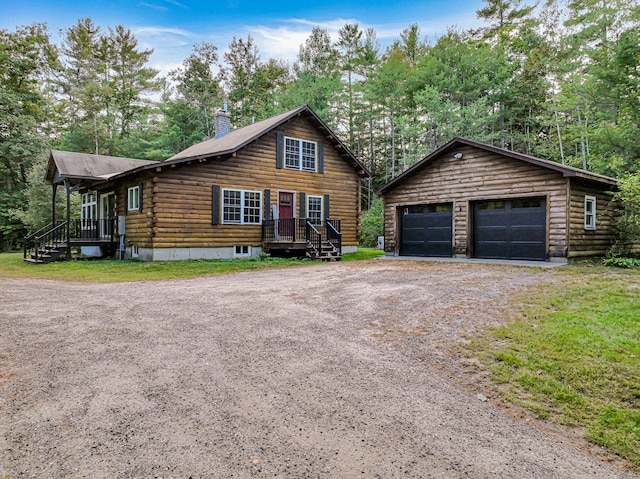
x,y
314,238
35,244
290,230
334,236
62,234
83,229
295,230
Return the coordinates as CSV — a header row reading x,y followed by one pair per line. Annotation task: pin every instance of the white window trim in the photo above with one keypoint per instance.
x,y
241,254
300,148
89,208
133,202
242,207
321,207
134,251
590,217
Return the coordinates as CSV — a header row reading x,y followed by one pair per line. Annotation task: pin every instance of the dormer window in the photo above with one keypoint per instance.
x,y
300,154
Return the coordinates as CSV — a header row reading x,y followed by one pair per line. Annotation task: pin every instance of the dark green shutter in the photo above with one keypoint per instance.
x,y
279,148
140,197
327,214
303,205
321,157
267,205
215,204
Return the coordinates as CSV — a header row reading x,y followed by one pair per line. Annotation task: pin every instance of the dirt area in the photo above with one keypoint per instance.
x,y
338,370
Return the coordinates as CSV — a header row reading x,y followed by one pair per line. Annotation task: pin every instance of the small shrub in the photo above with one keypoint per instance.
x,y
622,262
627,223
372,223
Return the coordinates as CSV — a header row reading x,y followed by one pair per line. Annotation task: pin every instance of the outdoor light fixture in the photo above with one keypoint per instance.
x,y
457,156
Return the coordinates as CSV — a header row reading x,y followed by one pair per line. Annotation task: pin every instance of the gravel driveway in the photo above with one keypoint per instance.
x,y
325,371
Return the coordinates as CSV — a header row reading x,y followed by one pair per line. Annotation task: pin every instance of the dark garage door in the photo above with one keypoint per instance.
x,y
426,230
510,229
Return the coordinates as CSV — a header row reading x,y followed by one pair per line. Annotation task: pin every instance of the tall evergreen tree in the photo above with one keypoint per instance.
x,y
316,76
198,84
26,59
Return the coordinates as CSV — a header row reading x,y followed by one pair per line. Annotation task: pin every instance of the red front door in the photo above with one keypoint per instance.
x,y
285,205
285,214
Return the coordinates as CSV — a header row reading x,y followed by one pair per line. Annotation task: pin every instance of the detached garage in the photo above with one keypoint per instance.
x,y
470,199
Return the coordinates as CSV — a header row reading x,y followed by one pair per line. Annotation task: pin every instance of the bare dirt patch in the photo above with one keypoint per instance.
x,y
332,371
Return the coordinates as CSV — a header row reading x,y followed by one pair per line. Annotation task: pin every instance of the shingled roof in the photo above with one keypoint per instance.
x,y
78,167
237,139
451,146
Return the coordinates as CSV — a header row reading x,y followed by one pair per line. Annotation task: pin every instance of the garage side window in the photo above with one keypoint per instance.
x,y
589,213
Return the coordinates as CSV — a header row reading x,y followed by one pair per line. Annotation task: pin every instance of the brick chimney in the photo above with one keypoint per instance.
x,y
223,121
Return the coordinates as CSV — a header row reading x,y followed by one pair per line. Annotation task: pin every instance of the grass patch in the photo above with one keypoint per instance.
x,y
362,254
115,271
575,356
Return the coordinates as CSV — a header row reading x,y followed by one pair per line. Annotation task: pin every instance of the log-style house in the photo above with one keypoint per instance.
x,y
285,185
469,199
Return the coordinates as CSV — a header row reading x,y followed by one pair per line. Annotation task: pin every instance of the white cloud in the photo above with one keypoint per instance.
x,y
283,41
155,7
170,45
280,40
177,4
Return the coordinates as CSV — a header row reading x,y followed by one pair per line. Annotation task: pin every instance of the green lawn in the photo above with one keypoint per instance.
x,y
113,271
574,358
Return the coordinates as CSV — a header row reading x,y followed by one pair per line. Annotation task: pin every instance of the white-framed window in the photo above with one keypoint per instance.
x,y
133,198
242,250
590,212
300,154
134,251
241,207
89,209
314,209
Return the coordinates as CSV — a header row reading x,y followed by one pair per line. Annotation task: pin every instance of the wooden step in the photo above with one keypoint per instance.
x,y
35,261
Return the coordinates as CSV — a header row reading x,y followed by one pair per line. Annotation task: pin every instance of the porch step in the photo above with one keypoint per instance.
x,y
327,253
35,261
48,255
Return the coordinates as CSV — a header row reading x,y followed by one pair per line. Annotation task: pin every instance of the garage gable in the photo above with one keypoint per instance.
x,y
451,150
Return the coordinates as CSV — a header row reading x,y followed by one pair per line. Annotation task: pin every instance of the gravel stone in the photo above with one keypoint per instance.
x,y
337,370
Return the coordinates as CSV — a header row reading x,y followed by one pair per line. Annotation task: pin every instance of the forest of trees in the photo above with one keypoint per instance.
x,y
559,80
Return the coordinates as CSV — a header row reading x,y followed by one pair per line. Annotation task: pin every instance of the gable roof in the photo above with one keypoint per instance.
x,y
78,167
237,139
567,171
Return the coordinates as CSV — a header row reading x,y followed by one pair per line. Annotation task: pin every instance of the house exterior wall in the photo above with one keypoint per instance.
x,y
176,218
479,175
584,242
138,223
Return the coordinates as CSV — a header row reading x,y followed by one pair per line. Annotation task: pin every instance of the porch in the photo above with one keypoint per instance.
x,y
56,240
304,236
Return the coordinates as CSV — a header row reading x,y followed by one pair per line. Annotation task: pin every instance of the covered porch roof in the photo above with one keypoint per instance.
x,y
84,168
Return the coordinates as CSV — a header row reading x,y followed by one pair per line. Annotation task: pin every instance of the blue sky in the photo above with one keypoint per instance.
x,y
171,27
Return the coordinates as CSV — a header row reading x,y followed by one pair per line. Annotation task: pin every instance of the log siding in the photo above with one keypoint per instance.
x,y
463,172
584,242
479,175
177,200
